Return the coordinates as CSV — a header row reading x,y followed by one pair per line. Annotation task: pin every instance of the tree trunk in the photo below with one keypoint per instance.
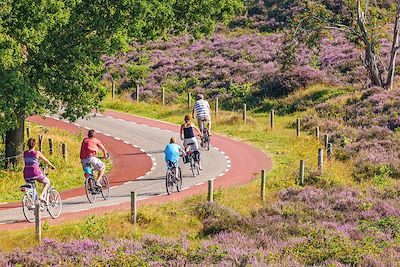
x,y
374,73
394,50
15,143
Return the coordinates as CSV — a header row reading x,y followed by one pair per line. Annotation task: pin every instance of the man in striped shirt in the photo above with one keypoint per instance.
x,y
202,108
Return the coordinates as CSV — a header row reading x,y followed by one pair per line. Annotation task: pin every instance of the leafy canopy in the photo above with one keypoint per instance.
x,y
51,49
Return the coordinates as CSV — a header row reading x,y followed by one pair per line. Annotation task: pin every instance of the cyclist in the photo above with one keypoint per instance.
x,y
32,169
187,135
172,152
202,108
88,155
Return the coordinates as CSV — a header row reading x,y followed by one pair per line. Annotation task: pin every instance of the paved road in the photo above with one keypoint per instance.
x,y
152,141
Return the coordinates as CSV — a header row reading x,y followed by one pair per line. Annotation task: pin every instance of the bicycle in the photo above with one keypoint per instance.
x,y
171,178
53,202
194,159
90,185
206,139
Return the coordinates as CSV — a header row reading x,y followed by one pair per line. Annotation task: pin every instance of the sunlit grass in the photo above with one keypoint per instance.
x,y
68,173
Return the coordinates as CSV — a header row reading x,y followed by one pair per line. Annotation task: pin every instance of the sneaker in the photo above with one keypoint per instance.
x,y
98,185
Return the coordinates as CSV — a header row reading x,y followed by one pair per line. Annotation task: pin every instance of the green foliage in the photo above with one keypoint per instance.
x,y
94,227
138,74
50,50
322,245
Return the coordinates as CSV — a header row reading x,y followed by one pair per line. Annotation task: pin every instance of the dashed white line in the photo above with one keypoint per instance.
x,y
222,174
107,135
126,142
116,138
200,183
185,188
130,181
87,128
76,124
147,173
226,170
222,152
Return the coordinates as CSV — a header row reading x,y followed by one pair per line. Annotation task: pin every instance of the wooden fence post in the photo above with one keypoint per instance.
x,y
244,113
163,96
28,132
321,160
272,119
51,150
326,141
64,150
216,106
133,208
38,227
211,190
112,90
317,132
329,150
137,93
263,185
301,174
40,137
298,127
188,100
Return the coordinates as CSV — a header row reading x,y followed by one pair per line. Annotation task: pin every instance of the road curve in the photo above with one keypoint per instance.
x,y
229,161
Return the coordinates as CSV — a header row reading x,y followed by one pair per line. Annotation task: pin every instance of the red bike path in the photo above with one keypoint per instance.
x,y
246,163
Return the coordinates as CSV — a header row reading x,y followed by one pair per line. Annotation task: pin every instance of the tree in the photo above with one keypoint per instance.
x,y
51,49
366,24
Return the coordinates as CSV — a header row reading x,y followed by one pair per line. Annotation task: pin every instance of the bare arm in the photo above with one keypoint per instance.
x,y
193,112
42,157
197,129
101,146
181,132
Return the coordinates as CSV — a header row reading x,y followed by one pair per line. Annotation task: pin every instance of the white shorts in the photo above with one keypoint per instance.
x,y
193,140
96,163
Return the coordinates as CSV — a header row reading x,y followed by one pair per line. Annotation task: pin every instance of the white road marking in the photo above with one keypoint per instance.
x,y
130,181
107,135
185,188
78,125
199,183
126,142
116,138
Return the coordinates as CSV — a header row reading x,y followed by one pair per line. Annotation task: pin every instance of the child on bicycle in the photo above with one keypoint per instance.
x,y
32,169
172,152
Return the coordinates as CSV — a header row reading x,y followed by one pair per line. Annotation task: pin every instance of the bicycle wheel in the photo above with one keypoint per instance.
x,y
208,142
54,205
89,188
179,180
28,207
105,187
169,184
193,166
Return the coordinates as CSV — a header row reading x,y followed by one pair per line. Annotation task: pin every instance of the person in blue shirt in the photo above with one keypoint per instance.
x,y
172,153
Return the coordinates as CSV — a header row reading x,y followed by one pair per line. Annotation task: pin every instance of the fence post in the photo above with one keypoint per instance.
x,y
133,208
64,150
40,142
38,228
326,141
321,160
163,96
330,150
188,100
216,106
317,132
272,119
263,185
301,175
137,93
113,89
244,113
28,132
51,146
298,127
211,190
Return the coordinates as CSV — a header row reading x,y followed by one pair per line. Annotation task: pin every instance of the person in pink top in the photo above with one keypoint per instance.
x,y
89,148
32,169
